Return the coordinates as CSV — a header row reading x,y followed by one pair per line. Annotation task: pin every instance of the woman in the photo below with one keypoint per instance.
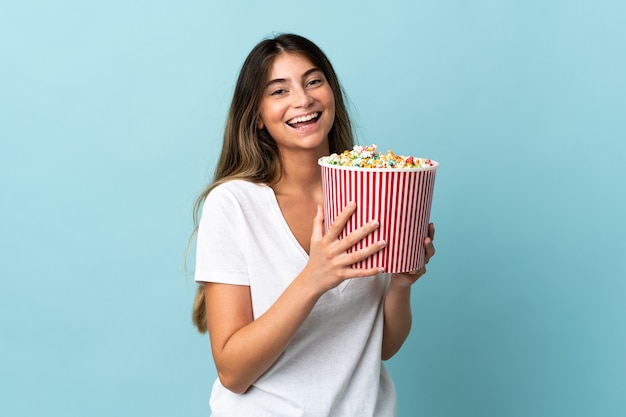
x,y
294,330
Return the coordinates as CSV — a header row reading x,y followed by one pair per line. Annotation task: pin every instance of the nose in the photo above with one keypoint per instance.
x,y
302,98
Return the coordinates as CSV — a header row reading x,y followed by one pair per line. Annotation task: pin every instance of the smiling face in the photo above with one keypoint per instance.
x,y
297,107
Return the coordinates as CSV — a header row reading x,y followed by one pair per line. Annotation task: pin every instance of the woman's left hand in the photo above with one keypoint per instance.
x,y
397,308
407,279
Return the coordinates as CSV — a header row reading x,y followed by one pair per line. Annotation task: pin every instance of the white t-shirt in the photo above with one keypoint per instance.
x,y
332,367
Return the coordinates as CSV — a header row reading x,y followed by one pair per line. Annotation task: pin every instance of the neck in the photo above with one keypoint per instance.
x,y
301,174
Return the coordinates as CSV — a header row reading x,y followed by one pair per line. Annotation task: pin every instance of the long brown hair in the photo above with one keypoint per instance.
x,y
250,153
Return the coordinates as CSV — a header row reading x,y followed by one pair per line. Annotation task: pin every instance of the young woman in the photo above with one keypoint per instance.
x,y
294,330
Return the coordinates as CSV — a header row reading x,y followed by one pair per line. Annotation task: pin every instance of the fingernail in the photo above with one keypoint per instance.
x,y
374,223
382,243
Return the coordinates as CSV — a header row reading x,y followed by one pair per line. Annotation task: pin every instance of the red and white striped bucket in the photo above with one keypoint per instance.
x,y
399,198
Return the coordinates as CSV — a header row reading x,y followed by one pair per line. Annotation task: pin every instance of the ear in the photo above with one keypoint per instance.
x,y
259,123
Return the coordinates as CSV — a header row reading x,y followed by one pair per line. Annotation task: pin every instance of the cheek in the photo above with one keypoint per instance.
x,y
331,103
270,122
266,116
331,111
270,113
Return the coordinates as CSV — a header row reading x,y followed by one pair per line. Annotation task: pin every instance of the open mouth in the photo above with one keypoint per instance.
x,y
302,121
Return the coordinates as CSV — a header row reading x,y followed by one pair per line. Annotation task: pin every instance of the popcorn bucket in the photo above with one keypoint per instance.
x,y
399,198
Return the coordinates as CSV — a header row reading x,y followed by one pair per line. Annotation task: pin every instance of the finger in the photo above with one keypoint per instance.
x,y
431,231
358,235
415,274
362,273
414,271
341,220
348,259
429,249
318,225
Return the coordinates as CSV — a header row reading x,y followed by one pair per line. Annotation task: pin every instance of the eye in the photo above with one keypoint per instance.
x,y
278,92
313,82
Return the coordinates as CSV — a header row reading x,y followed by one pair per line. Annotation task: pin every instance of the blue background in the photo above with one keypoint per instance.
x,y
111,115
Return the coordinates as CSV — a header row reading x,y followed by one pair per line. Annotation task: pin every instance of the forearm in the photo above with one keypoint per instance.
x,y
244,348
252,349
397,319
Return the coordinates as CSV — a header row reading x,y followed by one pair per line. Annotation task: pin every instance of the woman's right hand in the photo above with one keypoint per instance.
x,y
233,328
329,261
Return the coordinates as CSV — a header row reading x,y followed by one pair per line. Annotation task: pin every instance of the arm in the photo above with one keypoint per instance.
x,y
244,348
397,307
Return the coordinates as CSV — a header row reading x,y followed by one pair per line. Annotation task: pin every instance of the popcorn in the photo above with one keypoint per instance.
x,y
396,190
368,157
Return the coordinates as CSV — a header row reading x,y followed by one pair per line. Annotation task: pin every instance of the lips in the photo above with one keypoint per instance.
x,y
304,120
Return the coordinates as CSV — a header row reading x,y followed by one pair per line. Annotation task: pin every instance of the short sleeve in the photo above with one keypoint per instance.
x,y
221,234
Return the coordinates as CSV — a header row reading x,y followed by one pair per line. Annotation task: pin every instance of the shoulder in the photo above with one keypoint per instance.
x,y
237,190
237,195
238,187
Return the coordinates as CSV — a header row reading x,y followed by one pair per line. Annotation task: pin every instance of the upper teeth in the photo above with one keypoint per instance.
x,y
303,118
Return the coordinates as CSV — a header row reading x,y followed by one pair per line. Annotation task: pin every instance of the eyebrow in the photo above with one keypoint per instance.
x,y
282,80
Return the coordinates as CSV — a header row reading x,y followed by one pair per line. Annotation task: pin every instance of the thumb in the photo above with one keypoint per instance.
x,y
318,225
